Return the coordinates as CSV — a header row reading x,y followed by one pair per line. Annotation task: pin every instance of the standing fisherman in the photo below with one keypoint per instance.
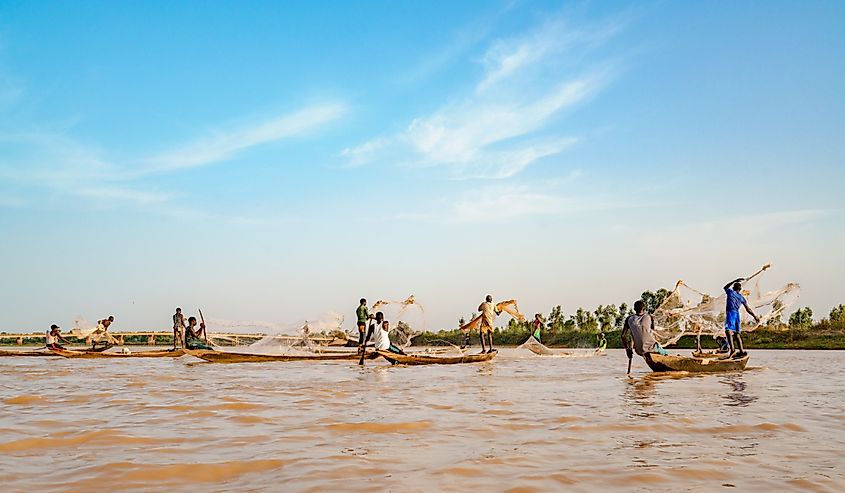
x,y
732,321
488,316
640,326
538,325
102,332
362,314
178,328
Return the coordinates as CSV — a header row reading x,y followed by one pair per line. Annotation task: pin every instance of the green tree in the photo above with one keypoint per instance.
x,y
837,314
621,316
655,299
802,317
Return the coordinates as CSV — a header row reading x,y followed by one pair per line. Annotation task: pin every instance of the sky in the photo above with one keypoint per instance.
x,y
279,160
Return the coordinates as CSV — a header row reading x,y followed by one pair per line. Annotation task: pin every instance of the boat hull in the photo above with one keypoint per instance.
x,y
170,353
227,357
418,359
661,363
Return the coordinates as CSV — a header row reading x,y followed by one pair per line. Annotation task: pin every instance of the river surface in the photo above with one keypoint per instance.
x,y
521,423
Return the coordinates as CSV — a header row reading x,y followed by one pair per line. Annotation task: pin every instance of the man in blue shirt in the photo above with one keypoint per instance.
x,y
732,322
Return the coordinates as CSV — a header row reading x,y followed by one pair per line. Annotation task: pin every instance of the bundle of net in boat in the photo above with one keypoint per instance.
x,y
508,306
688,311
305,337
406,317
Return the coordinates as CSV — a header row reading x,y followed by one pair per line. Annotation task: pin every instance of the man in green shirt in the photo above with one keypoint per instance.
x,y
362,314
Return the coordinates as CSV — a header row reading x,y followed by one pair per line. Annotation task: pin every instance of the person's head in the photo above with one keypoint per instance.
x,y
538,316
489,298
385,326
111,318
639,306
178,309
54,328
363,301
737,287
379,317
192,320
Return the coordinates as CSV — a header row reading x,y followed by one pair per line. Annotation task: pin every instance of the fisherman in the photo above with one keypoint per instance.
x,y
735,300
488,316
194,338
640,325
102,332
380,330
178,328
54,335
601,342
538,324
363,315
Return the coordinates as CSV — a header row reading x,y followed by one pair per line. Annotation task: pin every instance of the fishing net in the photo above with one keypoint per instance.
x,y
687,310
508,306
307,336
406,317
83,329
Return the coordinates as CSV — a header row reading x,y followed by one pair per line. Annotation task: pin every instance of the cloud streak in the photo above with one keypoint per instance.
x,y
507,122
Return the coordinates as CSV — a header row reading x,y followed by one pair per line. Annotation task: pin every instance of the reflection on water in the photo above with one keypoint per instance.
x,y
520,423
739,396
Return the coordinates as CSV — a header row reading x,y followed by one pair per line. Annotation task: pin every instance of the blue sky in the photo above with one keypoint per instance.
x,y
274,161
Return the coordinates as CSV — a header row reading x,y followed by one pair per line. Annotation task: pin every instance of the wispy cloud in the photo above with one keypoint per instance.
x,y
54,161
506,123
224,145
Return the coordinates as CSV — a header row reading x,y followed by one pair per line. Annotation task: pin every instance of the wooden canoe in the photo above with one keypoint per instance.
x,y
227,357
169,353
421,359
34,352
696,365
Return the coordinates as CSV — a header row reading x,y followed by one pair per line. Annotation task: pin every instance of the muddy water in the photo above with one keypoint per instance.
x,y
522,423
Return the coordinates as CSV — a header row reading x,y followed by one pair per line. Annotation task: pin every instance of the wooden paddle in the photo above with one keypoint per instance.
x,y
204,329
364,346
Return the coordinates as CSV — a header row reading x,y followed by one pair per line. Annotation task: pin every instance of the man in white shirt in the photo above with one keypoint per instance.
x,y
381,335
488,316
54,336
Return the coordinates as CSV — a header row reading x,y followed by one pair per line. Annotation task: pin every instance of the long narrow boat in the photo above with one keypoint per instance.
x,y
227,357
421,359
696,365
168,353
43,351
33,352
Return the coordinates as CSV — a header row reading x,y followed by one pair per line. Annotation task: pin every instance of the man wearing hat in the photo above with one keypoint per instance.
x,y
54,335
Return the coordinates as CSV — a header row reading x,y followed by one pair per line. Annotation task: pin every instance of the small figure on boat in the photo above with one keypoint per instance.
x,y
640,326
601,342
101,333
380,332
735,300
363,315
488,317
538,326
194,338
178,328
54,335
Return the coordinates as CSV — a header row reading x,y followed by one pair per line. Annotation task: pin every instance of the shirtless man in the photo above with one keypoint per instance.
x,y
178,328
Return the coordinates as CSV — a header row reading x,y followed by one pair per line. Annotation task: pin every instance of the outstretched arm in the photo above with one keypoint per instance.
x,y
728,285
750,312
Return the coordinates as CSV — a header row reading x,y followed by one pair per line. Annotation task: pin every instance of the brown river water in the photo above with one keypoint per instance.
x,y
521,423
